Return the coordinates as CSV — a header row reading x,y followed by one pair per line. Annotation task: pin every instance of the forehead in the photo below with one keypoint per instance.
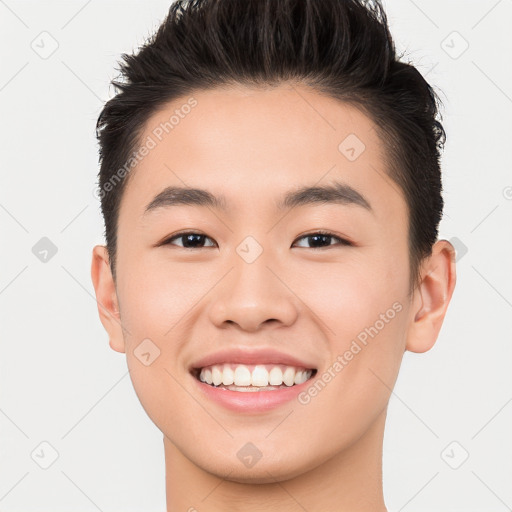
x,y
253,145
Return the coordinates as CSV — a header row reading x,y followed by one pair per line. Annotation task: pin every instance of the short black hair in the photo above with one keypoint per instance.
x,y
340,48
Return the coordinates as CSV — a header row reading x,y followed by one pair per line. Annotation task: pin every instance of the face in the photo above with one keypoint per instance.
x,y
320,281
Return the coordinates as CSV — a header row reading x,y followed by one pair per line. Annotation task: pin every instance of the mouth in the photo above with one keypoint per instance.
x,y
252,378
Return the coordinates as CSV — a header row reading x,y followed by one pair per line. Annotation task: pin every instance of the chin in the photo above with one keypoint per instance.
x,y
278,467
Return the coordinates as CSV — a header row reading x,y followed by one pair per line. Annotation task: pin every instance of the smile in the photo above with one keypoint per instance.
x,y
252,388
252,379
261,377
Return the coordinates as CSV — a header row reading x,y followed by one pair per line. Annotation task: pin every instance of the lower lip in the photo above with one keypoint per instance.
x,y
251,401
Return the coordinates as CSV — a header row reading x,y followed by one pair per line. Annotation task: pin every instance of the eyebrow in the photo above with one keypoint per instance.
x,y
336,193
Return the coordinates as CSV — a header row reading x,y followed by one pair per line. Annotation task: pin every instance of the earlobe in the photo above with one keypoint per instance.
x,y
432,297
106,297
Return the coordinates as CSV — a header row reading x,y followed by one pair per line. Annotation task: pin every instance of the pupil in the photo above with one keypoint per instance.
x,y
316,237
190,238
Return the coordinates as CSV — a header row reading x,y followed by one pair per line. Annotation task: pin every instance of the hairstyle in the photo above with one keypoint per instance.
x,y
339,48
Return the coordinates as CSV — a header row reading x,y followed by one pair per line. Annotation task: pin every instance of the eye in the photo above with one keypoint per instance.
x,y
321,239
195,240
190,240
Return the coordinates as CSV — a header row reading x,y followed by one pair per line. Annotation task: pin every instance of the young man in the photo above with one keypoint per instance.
x,y
271,191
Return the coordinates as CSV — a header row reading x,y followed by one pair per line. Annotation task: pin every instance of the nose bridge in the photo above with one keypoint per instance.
x,y
252,277
252,294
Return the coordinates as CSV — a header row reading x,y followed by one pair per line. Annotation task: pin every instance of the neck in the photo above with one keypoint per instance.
x,y
351,481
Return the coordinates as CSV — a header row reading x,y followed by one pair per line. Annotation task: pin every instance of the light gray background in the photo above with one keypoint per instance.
x,y
61,383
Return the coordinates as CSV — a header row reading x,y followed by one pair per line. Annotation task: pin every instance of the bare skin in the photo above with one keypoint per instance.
x,y
252,146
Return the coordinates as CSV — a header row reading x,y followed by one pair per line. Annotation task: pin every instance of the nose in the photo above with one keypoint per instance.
x,y
252,295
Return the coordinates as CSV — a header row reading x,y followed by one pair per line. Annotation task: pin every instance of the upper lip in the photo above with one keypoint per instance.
x,y
251,356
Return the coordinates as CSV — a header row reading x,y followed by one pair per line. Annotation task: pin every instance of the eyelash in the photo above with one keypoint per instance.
x,y
343,242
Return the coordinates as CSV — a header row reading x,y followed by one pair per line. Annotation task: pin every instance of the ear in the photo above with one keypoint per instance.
x,y
106,297
432,297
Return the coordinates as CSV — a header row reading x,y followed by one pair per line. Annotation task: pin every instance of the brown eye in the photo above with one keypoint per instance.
x,y
323,239
316,240
190,240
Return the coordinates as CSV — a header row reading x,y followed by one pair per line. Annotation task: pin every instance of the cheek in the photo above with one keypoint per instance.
x,y
346,297
362,311
156,297
365,335
158,304
159,307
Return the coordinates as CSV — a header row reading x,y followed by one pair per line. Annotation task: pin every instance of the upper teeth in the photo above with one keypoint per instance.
x,y
259,375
